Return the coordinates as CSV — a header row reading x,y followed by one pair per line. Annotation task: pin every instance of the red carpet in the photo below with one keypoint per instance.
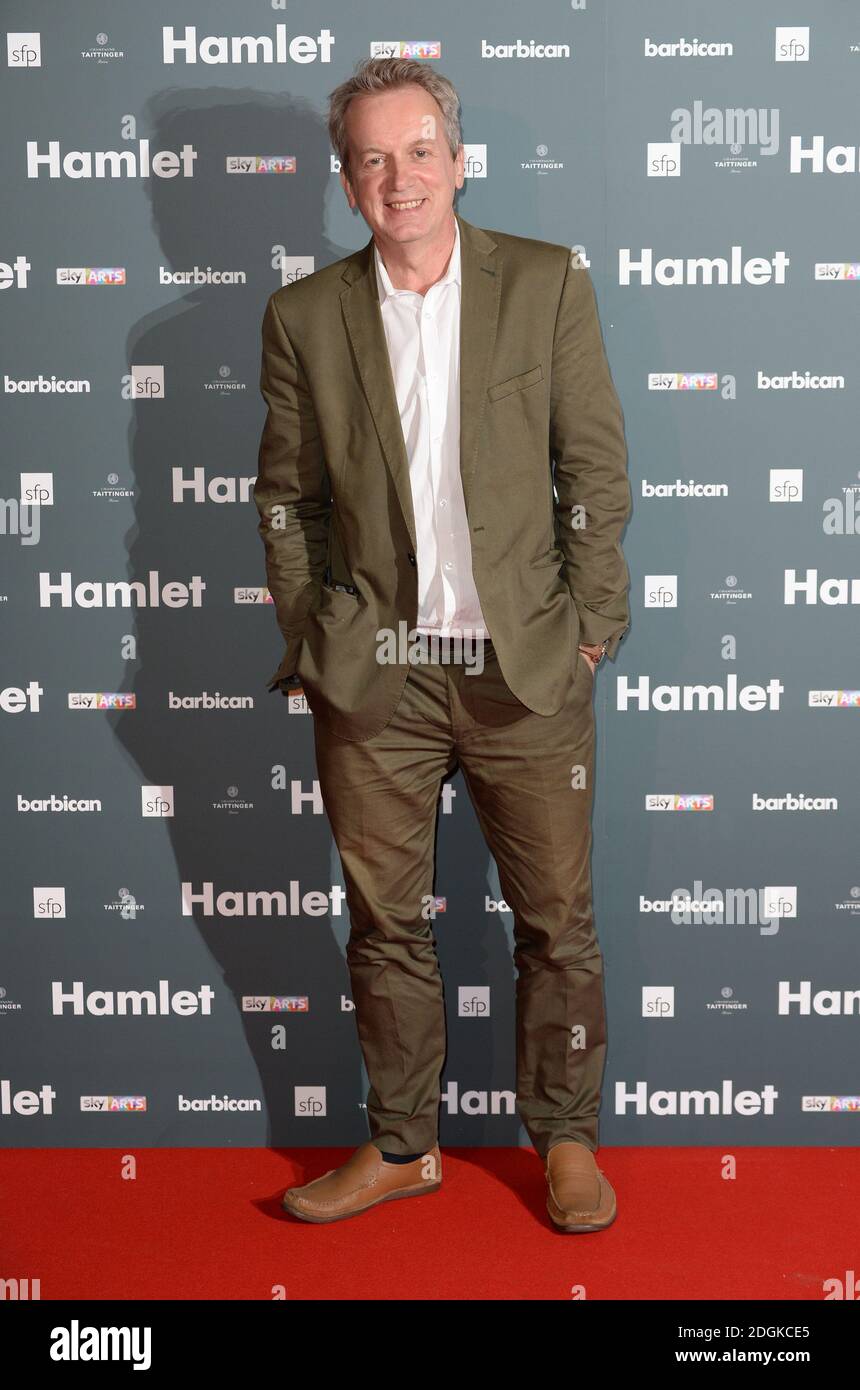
x,y
207,1224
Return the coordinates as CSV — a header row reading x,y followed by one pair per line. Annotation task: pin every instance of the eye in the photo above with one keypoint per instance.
x,y
422,151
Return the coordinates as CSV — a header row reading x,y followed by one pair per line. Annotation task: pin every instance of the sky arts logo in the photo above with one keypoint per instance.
x,y
831,1105
837,270
115,1105
107,275
679,801
683,381
406,48
102,700
658,1001
786,485
261,164
252,593
247,49
834,699
661,591
275,1004
24,50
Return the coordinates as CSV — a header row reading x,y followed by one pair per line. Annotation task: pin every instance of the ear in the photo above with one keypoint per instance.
x,y
460,166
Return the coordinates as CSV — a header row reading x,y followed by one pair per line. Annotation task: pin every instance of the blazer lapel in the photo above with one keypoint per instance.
x,y
480,292
481,289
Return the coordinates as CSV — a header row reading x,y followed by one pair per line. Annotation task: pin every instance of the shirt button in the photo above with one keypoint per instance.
x,y
449,565
442,502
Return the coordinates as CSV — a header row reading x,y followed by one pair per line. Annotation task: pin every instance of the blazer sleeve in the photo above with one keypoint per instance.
x,y
589,452
292,491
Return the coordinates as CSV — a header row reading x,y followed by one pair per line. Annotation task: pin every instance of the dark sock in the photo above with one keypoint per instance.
x,y
400,1158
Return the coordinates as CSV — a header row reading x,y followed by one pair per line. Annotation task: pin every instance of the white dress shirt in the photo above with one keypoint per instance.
x,y
423,337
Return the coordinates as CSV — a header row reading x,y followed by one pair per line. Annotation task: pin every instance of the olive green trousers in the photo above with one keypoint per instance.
x,y
530,780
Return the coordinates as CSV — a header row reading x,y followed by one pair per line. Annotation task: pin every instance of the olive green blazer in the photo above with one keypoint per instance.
x,y
543,460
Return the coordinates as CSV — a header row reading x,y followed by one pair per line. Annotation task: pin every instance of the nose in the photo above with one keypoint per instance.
x,y
398,174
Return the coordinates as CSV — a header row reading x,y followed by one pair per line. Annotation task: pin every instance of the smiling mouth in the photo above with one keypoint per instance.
x,y
412,205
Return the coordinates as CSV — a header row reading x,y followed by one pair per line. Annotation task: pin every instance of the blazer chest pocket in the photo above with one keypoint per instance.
x,y
515,383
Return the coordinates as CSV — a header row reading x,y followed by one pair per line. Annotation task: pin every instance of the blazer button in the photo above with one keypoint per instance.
x,y
411,558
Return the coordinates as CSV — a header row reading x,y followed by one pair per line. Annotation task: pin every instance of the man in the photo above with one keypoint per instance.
x,y
444,453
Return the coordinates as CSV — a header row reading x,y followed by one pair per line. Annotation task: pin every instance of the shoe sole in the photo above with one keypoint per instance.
x,y
599,1223
343,1216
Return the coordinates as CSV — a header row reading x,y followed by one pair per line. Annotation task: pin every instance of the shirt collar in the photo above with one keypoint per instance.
x,y
452,274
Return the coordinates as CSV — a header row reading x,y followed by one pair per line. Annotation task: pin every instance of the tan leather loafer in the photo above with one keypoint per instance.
x,y
363,1181
580,1197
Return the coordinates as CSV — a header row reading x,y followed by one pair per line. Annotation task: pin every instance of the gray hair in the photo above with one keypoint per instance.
x,y
384,74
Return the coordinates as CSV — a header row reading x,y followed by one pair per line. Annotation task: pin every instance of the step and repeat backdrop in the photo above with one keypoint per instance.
x,y
172,968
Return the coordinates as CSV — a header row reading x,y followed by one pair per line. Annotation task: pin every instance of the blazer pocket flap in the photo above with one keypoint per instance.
x,y
515,383
525,378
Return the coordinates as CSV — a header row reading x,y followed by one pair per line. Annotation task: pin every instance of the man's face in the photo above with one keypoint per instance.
x,y
399,154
